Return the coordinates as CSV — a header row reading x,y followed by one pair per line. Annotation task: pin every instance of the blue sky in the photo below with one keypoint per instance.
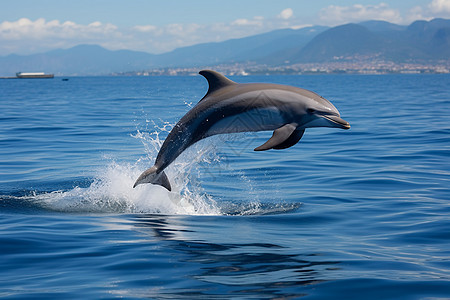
x,y
30,26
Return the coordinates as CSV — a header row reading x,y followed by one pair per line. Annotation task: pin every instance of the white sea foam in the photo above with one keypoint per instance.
x,y
112,187
112,191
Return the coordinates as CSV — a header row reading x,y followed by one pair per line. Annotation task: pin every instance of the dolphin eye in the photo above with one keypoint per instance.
x,y
310,111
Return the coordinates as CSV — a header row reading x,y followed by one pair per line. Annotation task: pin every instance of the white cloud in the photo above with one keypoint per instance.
x,y
286,14
416,13
334,15
27,29
434,9
25,36
241,22
301,26
145,28
440,6
256,21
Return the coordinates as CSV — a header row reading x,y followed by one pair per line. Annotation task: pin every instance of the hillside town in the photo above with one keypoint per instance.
x,y
338,67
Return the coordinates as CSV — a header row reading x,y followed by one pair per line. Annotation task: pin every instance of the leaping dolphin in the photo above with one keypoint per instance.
x,y
229,107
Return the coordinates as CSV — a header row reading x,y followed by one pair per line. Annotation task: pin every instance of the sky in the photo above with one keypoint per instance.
x,y
32,26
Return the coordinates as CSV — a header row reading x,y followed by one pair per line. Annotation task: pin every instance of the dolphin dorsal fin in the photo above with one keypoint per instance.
x,y
215,81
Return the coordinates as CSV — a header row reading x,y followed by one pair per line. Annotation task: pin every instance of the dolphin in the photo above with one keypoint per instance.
x,y
230,107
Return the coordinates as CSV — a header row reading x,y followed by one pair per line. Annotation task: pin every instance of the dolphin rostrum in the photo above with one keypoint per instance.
x,y
229,107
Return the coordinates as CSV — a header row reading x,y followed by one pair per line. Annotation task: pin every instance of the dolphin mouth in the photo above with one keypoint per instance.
x,y
341,123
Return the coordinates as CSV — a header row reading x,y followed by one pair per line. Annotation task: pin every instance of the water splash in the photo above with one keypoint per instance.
x,y
111,190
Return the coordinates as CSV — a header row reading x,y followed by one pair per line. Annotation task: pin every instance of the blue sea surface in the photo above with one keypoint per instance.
x,y
344,214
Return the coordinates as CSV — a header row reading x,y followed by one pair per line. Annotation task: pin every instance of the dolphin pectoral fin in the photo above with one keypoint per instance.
x,y
291,140
151,176
279,136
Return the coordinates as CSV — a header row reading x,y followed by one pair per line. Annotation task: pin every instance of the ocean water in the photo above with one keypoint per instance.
x,y
356,214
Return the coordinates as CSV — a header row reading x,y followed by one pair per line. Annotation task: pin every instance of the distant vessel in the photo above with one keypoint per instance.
x,y
34,75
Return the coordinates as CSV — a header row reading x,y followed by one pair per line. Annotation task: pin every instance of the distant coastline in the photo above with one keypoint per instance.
x,y
361,68
350,67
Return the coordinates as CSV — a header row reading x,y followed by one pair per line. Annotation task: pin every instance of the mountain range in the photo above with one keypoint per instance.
x,y
421,41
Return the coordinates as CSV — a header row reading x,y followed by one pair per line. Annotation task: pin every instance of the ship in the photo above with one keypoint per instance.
x,y
34,75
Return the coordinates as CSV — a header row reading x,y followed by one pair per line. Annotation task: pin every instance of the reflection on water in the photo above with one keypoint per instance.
x,y
159,226
241,268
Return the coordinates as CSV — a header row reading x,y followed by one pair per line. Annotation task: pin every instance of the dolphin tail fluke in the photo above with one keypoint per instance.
x,y
162,180
152,176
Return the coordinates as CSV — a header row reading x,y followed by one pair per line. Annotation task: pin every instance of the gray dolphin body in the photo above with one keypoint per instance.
x,y
229,107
